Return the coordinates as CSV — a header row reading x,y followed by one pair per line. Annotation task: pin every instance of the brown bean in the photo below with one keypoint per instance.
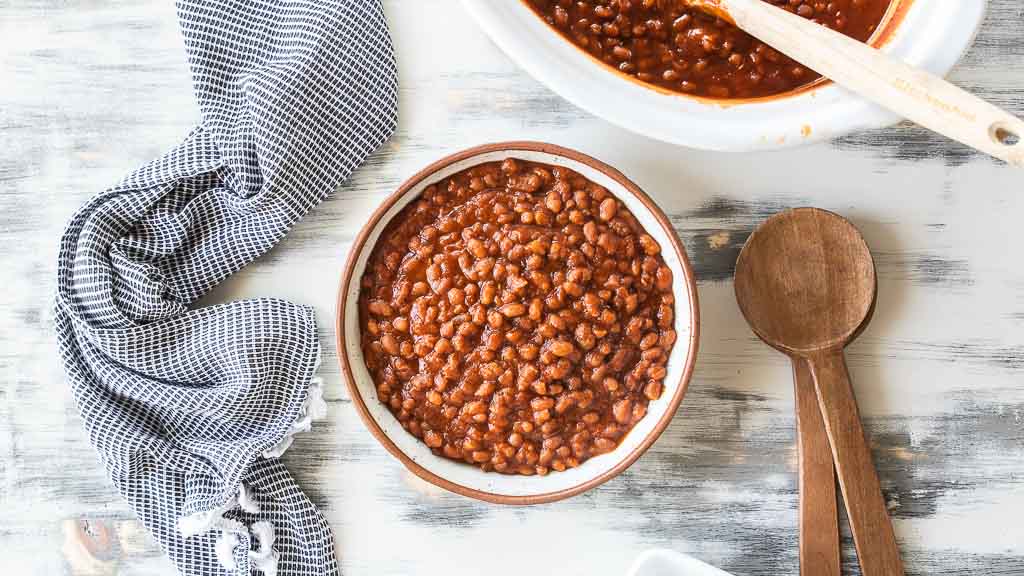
x,y
623,411
650,245
485,390
536,309
665,316
389,344
456,296
542,403
564,403
541,416
648,340
653,390
477,248
553,202
639,411
487,293
663,279
656,372
561,347
651,354
515,439
608,208
490,371
513,309
432,439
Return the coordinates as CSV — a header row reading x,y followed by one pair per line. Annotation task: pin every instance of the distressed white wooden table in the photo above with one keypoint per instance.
x,y
89,91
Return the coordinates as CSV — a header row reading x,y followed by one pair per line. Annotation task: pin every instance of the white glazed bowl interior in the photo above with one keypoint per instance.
x,y
934,34
472,477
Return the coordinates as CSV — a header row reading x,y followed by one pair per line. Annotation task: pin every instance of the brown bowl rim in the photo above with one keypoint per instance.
x,y
360,403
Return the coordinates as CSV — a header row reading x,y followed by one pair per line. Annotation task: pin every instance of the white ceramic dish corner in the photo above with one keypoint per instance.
x,y
662,562
930,34
470,480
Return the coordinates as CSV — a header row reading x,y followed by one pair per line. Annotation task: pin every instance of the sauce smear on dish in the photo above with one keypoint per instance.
x,y
664,43
517,317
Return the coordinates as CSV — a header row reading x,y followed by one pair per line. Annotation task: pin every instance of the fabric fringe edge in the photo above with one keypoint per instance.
x,y
265,558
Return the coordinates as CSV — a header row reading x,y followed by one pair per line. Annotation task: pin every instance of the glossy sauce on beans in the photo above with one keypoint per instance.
x,y
517,317
661,42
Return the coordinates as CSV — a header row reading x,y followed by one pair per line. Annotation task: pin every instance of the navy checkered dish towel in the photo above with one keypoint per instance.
x,y
190,408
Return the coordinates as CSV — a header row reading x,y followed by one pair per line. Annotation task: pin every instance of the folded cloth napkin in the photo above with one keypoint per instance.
x,y
189,408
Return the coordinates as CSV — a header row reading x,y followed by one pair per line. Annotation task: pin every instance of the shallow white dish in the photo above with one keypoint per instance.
x,y
470,480
662,562
931,34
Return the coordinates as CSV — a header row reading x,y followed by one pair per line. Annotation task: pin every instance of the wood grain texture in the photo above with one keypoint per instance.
x,y
90,90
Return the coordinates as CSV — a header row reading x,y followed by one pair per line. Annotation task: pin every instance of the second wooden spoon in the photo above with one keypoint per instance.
x,y
819,518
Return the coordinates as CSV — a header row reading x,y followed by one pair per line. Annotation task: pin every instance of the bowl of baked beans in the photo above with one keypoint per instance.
x,y
667,71
517,323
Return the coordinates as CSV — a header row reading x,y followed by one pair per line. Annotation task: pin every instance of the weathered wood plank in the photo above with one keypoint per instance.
x,y
91,90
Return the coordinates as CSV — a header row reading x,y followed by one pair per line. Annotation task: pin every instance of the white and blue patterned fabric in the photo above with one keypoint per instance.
x,y
189,408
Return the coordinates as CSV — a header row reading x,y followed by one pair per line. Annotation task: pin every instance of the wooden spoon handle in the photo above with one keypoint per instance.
x,y
913,93
865,506
819,520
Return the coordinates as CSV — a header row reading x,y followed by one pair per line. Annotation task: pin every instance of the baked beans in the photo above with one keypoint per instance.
x,y
517,317
682,49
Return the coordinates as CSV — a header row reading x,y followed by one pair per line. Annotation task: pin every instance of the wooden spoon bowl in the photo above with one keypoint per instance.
x,y
805,281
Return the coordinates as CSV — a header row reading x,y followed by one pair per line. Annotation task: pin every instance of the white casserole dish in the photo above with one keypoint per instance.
x,y
931,34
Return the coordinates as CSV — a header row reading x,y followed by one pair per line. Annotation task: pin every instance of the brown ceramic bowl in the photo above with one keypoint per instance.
x,y
470,480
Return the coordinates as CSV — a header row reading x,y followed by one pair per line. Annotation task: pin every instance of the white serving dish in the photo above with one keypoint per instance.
x,y
662,562
931,34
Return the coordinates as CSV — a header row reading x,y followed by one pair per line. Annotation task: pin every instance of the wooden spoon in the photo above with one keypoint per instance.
x,y
819,518
912,93
805,281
